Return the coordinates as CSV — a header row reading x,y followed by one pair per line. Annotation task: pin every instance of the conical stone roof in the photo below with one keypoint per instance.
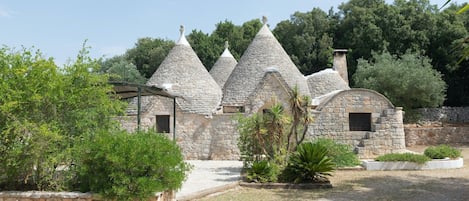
x,y
263,52
324,82
223,67
183,73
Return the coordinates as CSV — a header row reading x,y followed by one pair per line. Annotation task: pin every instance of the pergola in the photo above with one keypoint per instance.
x,y
131,90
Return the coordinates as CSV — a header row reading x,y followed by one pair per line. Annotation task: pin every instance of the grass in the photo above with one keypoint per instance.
x,y
416,158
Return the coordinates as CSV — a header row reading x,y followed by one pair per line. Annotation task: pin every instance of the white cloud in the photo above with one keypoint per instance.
x,y
5,13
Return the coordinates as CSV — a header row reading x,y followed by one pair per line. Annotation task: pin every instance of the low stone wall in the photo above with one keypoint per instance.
x,y
436,135
445,114
67,196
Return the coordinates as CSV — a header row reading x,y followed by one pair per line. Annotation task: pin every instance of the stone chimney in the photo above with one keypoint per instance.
x,y
340,63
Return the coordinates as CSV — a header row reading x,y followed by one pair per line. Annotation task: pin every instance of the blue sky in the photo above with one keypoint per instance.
x,y
59,27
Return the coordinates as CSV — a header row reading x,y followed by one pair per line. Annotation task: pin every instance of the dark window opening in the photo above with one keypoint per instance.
x,y
360,121
233,109
162,123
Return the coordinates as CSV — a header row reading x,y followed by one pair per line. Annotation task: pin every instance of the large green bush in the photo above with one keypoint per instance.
x,y
309,163
122,166
341,154
442,151
44,111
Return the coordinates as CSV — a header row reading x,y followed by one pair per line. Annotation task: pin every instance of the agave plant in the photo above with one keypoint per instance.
x,y
309,164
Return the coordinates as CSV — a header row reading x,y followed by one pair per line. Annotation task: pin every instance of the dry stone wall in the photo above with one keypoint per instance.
x,y
67,196
445,114
457,135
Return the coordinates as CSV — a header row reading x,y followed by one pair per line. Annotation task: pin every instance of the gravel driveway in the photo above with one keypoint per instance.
x,y
431,185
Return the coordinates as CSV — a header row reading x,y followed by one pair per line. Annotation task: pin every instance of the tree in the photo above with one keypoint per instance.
x,y
120,69
408,80
148,54
205,47
307,38
44,112
209,47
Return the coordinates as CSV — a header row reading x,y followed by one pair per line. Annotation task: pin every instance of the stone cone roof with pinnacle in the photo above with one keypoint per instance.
x,y
183,73
324,82
263,52
223,67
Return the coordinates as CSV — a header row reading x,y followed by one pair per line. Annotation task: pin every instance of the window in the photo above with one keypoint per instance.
x,y
360,121
233,109
162,123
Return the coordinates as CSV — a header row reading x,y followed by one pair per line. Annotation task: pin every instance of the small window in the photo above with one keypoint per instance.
x,y
360,121
162,123
233,109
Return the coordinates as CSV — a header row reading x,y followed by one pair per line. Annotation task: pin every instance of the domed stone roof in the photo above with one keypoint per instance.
x,y
183,73
324,82
223,67
263,52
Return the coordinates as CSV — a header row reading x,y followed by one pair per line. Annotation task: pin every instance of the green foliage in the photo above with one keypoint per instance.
x,y
442,151
416,158
308,39
123,166
309,163
44,112
263,136
210,46
408,80
341,154
148,54
262,171
122,70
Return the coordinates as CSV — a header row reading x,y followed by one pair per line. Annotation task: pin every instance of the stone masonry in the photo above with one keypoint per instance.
x,y
331,120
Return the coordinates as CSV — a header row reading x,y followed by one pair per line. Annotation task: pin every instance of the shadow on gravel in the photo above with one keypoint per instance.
x,y
413,187
232,174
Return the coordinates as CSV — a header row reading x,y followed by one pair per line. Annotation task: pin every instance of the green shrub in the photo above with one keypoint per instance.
x,y
122,166
309,163
410,157
442,151
341,154
262,171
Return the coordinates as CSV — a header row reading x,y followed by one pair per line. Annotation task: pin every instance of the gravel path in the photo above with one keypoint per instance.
x,y
209,175
431,185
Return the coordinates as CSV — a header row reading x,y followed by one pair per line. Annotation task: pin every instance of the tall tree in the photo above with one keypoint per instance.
x,y
307,38
148,54
408,80
122,70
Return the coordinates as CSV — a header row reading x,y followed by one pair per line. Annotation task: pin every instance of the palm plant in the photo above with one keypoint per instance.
x,y
309,164
300,118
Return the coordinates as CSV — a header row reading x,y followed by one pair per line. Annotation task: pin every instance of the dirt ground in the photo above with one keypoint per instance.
x,y
431,185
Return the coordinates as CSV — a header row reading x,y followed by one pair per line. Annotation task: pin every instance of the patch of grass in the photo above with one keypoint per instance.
x,y
416,158
442,151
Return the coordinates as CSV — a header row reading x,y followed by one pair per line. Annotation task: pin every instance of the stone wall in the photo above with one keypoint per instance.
x,y
436,135
445,114
200,137
331,120
214,137
67,196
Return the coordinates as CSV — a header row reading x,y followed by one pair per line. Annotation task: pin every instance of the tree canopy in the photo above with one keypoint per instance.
x,y
361,26
408,80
